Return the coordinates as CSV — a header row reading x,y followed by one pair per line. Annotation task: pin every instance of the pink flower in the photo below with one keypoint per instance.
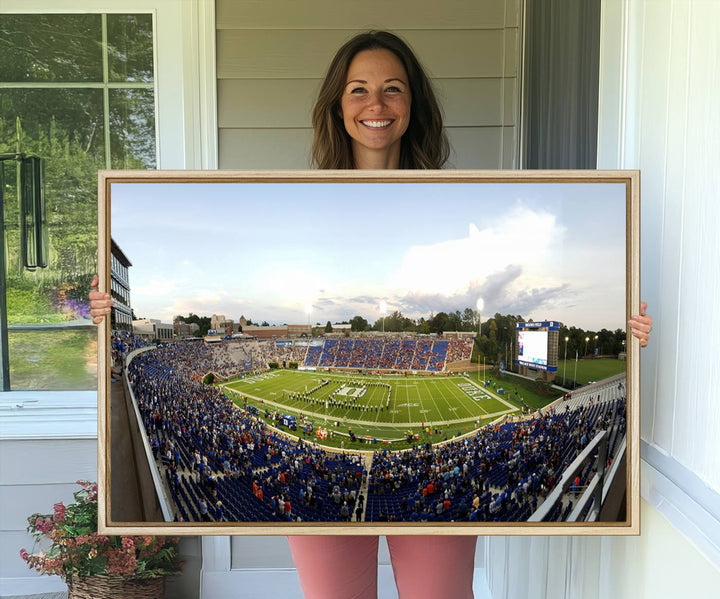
x,y
24,555
128,543
44,526
59,509
121,562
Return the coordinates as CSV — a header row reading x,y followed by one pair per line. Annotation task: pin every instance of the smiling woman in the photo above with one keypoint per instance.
x,y
364,104
375,108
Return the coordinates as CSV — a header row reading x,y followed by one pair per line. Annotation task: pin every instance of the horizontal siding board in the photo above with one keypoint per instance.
x,y
252,54
49,462
471,102
510,115
368,14
474,147
11,564
19,501
512,13
471,148
274,103
510,145
261,103
511,40
264,148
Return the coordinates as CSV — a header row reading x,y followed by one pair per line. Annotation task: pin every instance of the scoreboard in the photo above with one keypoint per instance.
x,y
537,344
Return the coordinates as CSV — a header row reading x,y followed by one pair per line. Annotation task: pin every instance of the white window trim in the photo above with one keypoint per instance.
x,y
37,415
686,501
186,129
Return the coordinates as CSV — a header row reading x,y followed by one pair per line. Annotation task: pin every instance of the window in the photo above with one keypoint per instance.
x,y
77,90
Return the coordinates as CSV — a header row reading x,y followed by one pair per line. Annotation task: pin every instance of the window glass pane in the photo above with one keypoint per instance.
x,y
38,48
57,120
65,128
130,47
52,342
53,359
132,128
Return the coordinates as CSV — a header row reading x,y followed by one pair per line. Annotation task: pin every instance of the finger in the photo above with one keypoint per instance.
x,y
95,281
643,308
638,325
97,296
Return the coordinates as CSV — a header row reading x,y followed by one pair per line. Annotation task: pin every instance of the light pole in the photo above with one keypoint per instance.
x,y
507,345
480,305
565,359
586,342
596,343
575,375
308,310
383,309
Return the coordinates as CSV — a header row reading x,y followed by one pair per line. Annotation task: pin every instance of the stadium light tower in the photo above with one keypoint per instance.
x,y
575,375
586,342
596,343
383,310
308,310
565,359
480,306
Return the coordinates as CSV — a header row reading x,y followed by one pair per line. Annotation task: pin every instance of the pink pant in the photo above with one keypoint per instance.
x,y
345,567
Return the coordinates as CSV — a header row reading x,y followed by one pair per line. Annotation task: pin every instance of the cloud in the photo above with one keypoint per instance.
x,y
501,292
520,236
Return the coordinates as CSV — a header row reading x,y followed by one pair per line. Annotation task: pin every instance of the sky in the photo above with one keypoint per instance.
x,y
292,253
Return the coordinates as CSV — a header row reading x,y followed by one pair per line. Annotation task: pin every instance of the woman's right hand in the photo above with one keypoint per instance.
x,y
100,302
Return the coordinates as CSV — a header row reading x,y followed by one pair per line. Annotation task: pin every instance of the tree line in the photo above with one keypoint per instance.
x,y
497,334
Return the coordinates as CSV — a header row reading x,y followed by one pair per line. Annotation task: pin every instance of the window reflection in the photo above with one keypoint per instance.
x,y
62,118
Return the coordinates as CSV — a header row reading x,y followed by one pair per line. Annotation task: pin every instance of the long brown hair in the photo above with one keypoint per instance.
x,y
424,144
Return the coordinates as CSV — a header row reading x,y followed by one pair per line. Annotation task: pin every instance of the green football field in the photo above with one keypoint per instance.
x,y
445,405
589,369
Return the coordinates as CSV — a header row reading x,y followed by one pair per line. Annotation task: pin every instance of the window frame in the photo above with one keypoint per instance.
x,y
186,138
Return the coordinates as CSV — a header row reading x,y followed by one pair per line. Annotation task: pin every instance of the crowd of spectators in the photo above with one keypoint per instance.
x,y
329,352
502,473
344,351
423,350
213,452
459,349
221,463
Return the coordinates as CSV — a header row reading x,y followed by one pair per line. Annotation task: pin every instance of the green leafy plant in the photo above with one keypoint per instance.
x,y
77,550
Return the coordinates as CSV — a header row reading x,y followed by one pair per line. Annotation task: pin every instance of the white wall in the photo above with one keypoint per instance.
x,y
660,81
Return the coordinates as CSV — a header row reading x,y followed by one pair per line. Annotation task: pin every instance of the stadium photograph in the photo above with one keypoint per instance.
x,y
369,354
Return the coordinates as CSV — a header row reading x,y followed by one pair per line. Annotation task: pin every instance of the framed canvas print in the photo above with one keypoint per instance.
x,y
364,352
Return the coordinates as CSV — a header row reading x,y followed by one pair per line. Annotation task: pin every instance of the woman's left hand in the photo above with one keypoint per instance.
x,y
641,325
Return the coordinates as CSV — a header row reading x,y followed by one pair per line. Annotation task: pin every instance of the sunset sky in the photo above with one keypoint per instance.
x,y
293,252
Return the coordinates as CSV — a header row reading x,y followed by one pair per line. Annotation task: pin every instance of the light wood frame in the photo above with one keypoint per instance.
x,y
630,526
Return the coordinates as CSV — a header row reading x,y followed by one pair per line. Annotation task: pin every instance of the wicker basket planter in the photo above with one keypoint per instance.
x,y
116,587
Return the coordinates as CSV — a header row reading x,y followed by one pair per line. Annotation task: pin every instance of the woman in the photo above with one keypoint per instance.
x,y
377,110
